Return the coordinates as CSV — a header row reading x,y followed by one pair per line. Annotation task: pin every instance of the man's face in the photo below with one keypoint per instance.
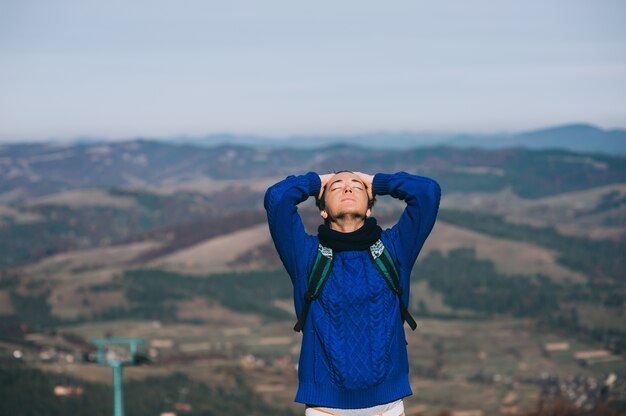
x,y
345,195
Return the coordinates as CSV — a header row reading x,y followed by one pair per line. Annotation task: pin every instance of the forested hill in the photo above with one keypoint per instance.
x,y
33,170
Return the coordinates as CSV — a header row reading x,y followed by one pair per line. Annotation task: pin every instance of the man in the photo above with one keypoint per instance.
x,y
353,359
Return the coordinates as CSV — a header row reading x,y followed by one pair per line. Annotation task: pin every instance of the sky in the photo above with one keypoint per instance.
x,y
124,69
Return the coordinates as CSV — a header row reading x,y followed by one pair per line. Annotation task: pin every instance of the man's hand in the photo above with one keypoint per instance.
x,y
324,178
367,180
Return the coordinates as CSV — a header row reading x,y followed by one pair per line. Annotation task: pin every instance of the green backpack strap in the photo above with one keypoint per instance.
x,y
323,264
318,275
383,261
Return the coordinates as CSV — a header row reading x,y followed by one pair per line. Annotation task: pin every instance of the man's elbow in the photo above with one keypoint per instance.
x,y
436,188
269,197
432,193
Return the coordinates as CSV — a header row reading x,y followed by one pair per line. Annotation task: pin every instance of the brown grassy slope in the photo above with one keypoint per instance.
x,y
509,257
8,214
571,213
85,197
216,254
95,258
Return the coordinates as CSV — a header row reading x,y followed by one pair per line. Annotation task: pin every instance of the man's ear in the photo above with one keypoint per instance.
x,y
324,214
368,213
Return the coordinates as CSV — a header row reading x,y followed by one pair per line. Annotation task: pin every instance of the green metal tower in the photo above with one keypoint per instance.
x,y
117,363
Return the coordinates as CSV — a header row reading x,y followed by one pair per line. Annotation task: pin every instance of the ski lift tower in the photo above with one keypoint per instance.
x,y
117,361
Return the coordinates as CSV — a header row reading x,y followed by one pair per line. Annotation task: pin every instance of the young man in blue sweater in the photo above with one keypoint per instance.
x,y
353,360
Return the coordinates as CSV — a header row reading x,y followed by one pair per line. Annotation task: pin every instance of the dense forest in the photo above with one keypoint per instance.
x,y
27,391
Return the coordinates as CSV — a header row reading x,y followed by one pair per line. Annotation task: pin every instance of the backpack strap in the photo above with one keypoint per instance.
x,y
383,261
323,264
317,278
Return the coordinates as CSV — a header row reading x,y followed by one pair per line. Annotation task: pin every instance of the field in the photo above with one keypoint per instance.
x,y
487,366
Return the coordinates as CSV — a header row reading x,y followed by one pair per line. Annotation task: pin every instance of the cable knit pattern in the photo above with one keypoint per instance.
x,y
353,323
353,347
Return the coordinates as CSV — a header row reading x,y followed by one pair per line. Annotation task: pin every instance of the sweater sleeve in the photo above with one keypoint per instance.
x,y
422,196
285,224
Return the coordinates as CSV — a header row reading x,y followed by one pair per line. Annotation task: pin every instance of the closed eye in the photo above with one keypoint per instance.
x,y
338,184
357,185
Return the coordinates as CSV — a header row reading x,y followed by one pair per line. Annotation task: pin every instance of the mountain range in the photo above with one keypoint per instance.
x,y
40,169
574,137
579,137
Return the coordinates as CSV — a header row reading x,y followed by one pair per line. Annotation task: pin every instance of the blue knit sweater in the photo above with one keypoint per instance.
x,y
353,351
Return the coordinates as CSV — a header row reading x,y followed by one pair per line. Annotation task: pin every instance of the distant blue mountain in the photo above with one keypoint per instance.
x,y
366,140
582,138
578,137
574,137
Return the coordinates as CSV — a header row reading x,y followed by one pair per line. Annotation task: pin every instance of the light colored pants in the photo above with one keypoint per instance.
x,y
396,410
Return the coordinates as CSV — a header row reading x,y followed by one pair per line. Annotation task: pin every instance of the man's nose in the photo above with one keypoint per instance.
x,y
347,188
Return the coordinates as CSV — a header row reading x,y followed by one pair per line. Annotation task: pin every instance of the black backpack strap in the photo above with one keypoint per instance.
x,y
318,275
383,261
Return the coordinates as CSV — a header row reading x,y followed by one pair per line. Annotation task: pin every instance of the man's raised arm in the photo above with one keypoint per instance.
x,y
285,224
422,196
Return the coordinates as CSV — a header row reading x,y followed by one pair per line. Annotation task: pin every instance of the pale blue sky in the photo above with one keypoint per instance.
x,y
122,69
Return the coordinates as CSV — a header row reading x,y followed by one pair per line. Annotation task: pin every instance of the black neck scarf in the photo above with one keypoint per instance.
x,y
360,239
